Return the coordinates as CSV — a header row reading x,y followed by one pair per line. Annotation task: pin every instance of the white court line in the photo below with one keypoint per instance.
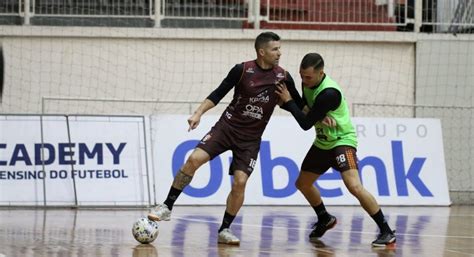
x,y
335,230
388,215
458,252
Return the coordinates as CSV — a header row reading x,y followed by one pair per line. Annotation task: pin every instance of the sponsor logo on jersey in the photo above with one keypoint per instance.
x,y
261,99
253,111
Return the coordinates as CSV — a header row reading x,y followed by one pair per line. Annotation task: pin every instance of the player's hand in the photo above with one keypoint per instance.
x,y
329,121
283,92
193,121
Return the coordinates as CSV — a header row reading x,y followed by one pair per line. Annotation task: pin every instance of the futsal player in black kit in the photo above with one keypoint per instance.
x,y
239,128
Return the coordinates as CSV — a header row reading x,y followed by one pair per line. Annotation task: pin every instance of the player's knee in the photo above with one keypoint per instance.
x,y
239,184
356,189
302,185
193,162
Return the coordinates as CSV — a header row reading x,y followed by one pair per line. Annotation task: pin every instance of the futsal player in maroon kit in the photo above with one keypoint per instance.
x,y
239,128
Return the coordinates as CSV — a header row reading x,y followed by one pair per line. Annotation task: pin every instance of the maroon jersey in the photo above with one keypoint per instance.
x,y
254,100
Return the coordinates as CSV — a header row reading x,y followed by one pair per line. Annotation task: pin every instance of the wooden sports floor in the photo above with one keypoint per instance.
x,y
264,231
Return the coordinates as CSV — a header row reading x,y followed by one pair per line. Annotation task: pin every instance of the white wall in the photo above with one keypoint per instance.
x,y
445,78
128,64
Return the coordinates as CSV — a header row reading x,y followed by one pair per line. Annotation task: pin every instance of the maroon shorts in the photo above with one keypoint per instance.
x,y
222,138
340,158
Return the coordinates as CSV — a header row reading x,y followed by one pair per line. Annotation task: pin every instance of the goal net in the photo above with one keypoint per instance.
x,y
144,57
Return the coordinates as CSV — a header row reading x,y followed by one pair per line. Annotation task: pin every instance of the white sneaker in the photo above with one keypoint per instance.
x,y
226,237
159,213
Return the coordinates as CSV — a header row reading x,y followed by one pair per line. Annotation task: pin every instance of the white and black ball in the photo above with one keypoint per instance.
x,y
145,231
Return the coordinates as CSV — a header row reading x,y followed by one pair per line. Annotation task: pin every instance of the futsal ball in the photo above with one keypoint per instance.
x,y
145,231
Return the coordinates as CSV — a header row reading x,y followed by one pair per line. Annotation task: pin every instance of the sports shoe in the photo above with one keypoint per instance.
x,y
320,227
384,239
159,213
226,237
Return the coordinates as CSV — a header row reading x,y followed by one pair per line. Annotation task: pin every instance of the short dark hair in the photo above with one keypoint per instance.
x,y
314,60
264,38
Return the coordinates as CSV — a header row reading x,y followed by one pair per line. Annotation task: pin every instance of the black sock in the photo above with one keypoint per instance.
x,y
226,221
172,196
321,212
381,222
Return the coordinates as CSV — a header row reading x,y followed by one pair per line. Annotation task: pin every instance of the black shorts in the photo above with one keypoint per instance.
x,y
341,158
222,138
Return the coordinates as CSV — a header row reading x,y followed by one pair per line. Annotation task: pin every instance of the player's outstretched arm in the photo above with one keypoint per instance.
x,y
293,93
290,105
214,98
328,100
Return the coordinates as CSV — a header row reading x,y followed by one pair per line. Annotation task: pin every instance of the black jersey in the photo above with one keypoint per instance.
x,y
254,97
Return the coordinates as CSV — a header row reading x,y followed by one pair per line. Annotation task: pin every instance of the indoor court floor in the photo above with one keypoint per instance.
x,y
263,230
